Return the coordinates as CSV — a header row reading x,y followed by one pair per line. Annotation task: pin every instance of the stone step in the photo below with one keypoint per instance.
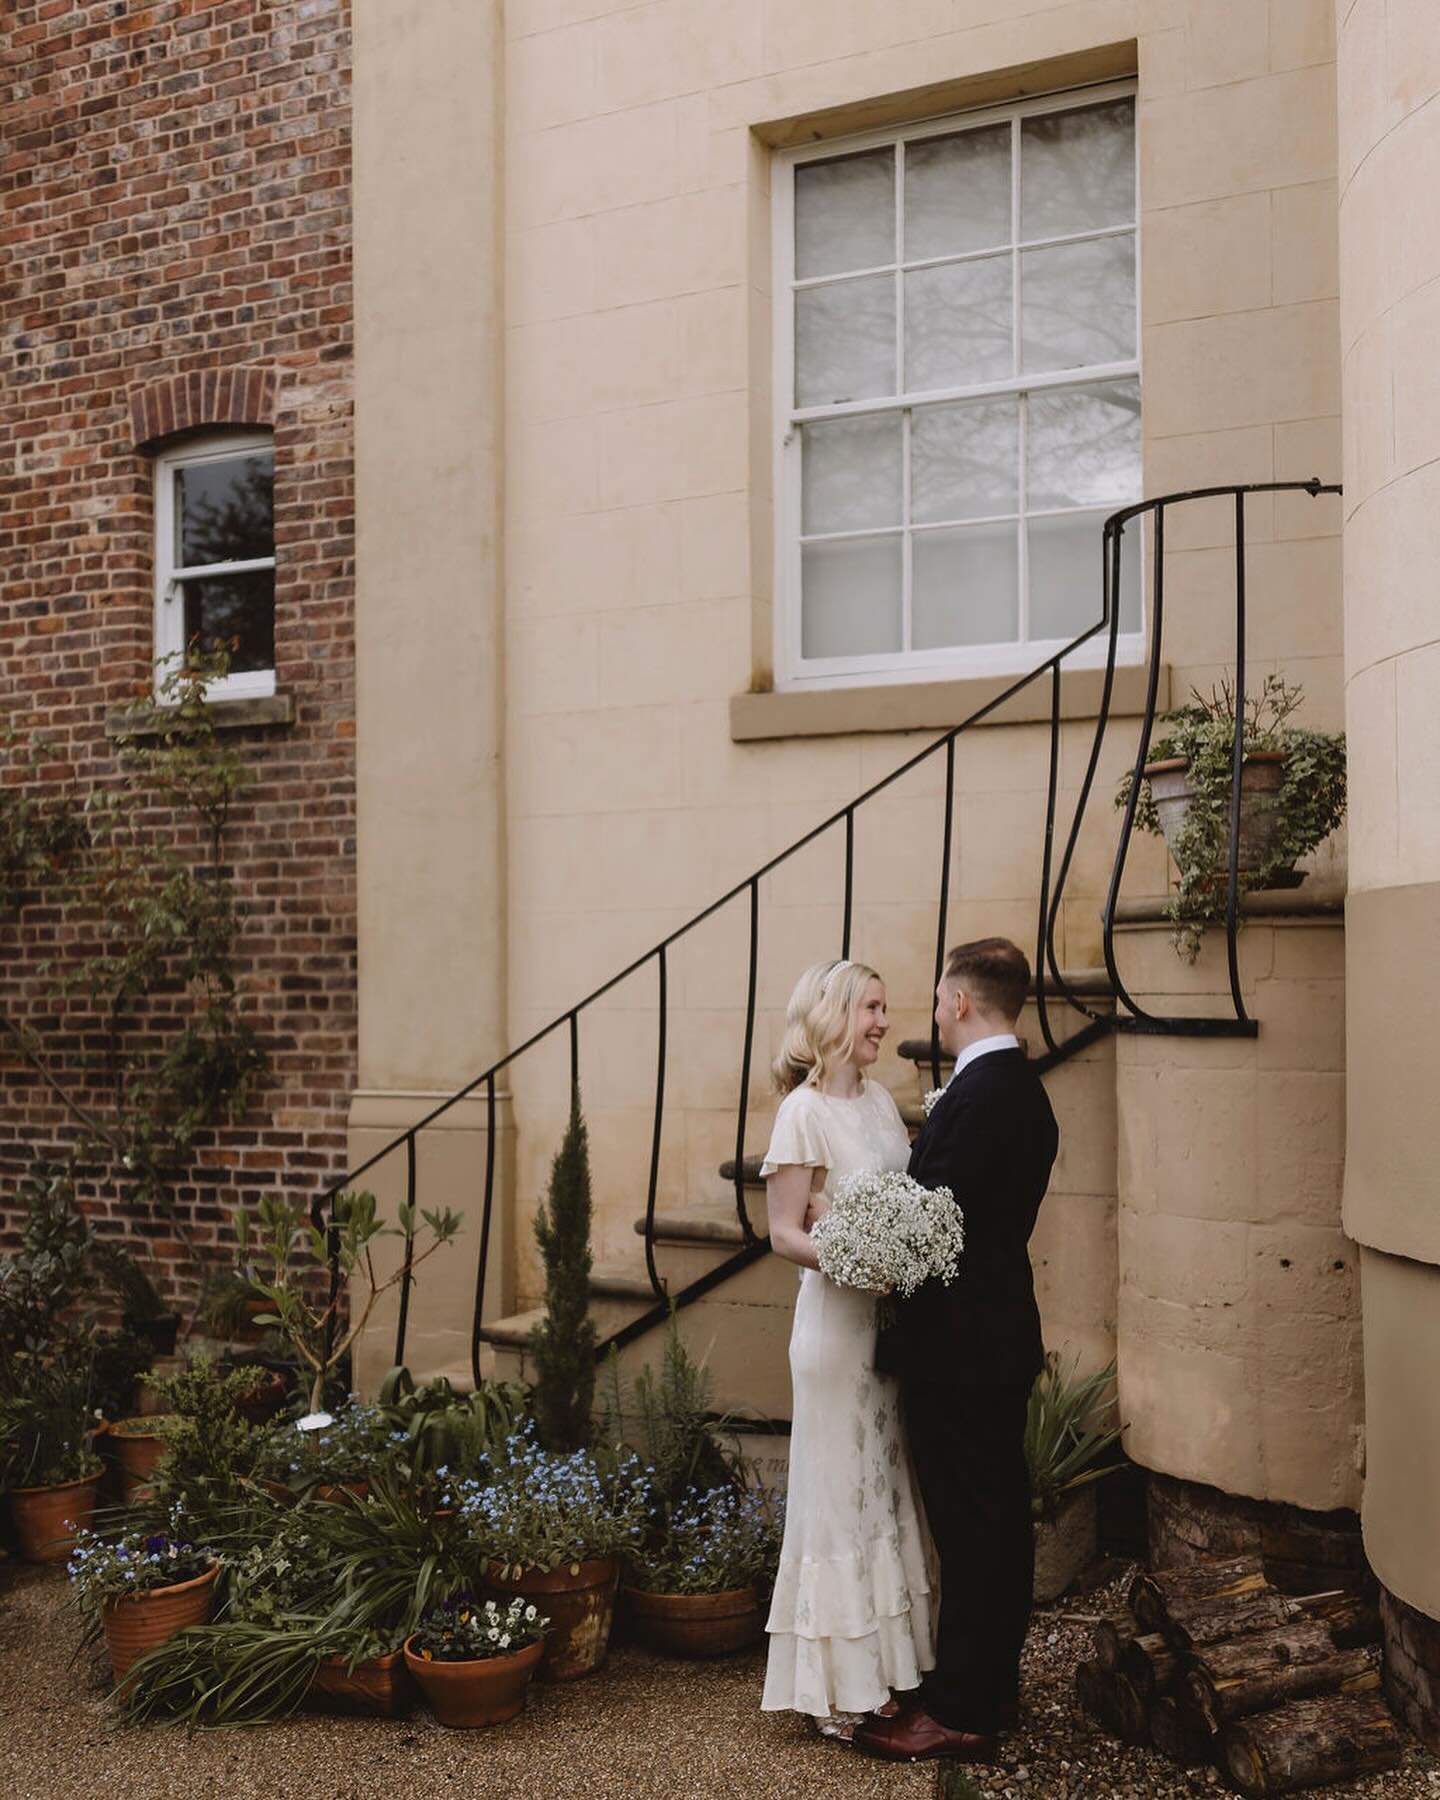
x,y
708,1225
617,1281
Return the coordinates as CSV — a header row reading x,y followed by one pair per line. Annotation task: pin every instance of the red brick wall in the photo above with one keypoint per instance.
x,y
175,184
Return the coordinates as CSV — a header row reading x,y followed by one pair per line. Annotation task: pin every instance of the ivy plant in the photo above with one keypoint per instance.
x,y
1307,807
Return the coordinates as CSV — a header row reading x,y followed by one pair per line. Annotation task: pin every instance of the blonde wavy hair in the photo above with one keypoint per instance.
x,y
820,1022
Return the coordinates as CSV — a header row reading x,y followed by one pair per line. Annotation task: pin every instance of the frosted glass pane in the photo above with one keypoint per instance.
x,y
1077,304
845,341
845,213
964,461
957,193
1067,576
850,474
851,597
964,586
1077,170
1082,446
958,324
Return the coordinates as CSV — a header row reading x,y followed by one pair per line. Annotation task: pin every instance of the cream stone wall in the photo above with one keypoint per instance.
x,y
1239,1319
638,519
1389,152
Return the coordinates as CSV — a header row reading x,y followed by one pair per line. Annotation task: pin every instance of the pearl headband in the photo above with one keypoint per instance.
x,y
832,972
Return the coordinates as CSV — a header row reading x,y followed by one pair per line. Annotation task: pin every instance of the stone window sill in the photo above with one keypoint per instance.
x,y
934,705
228,715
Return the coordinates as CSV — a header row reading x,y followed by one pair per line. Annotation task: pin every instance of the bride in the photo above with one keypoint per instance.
x,y
852,1619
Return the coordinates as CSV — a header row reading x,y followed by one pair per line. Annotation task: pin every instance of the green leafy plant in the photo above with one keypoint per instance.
x,y
210,1447
439,1435
710,1541
155,937
285,1261
1309,805
563,1344
466,1630
46,1421
678,1433
105,1568
1068,1429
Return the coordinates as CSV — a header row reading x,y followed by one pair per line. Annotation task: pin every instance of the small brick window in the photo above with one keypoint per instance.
x,y
215,555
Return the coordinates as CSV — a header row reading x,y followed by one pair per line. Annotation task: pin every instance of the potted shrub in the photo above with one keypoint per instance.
x,y
208,1446
552,1529
48,1466
143,1588
1292,796
143,1313
562,1345
474,1660
440,1436
700,1586
1068,1430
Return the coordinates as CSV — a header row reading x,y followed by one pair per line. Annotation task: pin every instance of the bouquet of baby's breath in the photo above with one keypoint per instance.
x,y
886,1233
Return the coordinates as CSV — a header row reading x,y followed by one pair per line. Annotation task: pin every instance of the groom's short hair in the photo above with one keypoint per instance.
x,y
994,972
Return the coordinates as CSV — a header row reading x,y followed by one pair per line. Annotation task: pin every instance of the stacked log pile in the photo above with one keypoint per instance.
x,y
1213,1664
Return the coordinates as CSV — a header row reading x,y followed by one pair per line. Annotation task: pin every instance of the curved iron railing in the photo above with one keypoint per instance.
x,y
1050,982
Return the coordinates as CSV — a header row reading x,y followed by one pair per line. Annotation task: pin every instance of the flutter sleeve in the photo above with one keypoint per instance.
x,y
798,1135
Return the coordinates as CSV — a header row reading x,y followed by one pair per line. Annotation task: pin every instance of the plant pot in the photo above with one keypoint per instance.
x,y
141,1622
1261,777
159,1332
697,1624
380,1687
260,1406
1065,1545
138,1447
470,1694
40,1514
339,1490
580,1607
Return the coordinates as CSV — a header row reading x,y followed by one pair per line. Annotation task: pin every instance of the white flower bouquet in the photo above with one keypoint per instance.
x,y
886,1233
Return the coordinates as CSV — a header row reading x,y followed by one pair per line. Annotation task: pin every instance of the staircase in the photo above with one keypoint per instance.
x,y
711,1263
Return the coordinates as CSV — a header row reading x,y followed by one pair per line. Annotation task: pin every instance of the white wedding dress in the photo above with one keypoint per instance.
x,y
853,1615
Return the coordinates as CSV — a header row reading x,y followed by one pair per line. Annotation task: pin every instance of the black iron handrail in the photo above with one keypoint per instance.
x,y
1053,880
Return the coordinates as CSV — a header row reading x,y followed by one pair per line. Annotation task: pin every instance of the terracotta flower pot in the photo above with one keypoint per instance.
x,y
697,1624
138,1447
264,1401
380,1687
339,1490
580,1607
469,1694
1261,777
40,1514
141,1622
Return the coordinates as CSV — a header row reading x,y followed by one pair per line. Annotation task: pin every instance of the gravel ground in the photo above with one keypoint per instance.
x,y
645,1727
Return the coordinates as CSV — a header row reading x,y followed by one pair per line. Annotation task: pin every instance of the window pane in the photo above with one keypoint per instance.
x,y
845,341
957,193
1067,576
225,510
845,213
1077,170
850,474
1082,445
958,324
237,612
965,586
851,597
1077,304
964,461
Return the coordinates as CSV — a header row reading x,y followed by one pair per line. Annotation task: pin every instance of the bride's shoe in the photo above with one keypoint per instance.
x,y
839,1725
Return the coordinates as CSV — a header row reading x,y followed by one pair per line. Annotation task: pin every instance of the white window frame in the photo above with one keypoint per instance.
x,y
220,446
792,670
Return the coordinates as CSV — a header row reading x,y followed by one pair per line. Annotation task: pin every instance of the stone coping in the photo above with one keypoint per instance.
x,y
1317,905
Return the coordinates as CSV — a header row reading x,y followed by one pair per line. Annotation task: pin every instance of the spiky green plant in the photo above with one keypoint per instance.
x,y
1069,1425
563,1344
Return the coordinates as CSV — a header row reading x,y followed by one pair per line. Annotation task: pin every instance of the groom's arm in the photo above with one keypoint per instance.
x,y
966,1151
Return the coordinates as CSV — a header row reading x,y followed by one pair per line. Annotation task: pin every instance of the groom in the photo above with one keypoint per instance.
x,y
967,1355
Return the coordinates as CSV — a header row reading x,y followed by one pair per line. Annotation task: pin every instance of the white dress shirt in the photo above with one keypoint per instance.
x,y
1003,1040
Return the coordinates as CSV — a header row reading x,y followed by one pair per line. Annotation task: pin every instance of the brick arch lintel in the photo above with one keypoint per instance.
x,y
243,394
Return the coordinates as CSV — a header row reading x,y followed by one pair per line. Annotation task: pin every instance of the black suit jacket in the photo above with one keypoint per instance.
x,y
991,1140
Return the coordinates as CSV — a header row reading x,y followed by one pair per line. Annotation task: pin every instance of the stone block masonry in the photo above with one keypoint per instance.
x,y
176,255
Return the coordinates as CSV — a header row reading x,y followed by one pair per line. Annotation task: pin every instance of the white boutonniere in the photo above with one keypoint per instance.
x,y
932,1100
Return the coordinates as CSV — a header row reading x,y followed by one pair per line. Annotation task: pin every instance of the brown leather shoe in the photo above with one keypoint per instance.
x,y
916,1737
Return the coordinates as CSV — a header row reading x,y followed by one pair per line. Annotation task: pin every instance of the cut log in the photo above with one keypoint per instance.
x,y
1109,1637
1261,1652
1350,1618
1179,1732
1150,1663
1190,1624
1308,1743
1096,1694
1218,1702
1155,1594
1132,1710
